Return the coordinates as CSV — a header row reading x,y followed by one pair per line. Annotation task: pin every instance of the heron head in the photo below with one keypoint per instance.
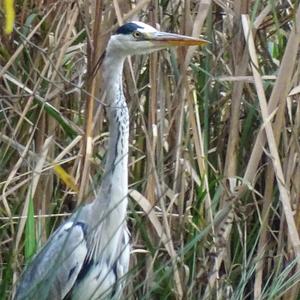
x,y
139,38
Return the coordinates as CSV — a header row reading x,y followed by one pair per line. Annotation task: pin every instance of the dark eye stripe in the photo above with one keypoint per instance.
x,y
128,28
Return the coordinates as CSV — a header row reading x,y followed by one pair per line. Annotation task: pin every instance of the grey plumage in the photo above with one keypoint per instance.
x,y
87,257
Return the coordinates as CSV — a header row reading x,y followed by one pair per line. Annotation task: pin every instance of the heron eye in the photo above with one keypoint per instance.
x,y
136,34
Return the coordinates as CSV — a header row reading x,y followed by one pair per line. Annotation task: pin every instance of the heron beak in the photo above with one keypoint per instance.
x,y
173,39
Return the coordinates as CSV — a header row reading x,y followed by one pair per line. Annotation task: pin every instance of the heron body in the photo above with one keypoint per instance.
x,y
87,257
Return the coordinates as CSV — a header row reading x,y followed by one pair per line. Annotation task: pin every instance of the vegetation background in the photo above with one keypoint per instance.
x,y
214,147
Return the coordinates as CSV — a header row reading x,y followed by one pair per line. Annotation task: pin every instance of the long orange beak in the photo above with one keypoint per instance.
x,y
173,39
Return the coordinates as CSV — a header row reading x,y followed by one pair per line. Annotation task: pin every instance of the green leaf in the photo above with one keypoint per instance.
x,y
54,113
30,241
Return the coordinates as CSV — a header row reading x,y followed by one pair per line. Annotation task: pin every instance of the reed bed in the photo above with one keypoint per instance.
x,y
214,143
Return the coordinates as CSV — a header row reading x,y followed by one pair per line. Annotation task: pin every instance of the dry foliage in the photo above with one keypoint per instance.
x,y
214,146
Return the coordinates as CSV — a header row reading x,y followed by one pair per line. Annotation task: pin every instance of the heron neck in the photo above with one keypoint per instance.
x,y
115,181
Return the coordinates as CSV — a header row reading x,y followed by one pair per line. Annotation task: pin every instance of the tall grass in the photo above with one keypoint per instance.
x,y
214,142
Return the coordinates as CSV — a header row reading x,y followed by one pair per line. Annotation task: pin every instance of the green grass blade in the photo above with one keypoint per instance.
x,y
30,240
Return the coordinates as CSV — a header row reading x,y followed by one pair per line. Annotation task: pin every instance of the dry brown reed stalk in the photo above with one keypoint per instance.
x,y
93,54
277,167
215,202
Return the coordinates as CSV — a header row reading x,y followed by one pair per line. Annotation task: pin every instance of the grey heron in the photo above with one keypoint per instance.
x,y
87,257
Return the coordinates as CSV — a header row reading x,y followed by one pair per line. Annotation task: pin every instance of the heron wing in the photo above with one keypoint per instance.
x,y
54,270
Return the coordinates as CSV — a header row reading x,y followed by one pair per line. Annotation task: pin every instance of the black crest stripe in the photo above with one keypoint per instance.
x,y
128,28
